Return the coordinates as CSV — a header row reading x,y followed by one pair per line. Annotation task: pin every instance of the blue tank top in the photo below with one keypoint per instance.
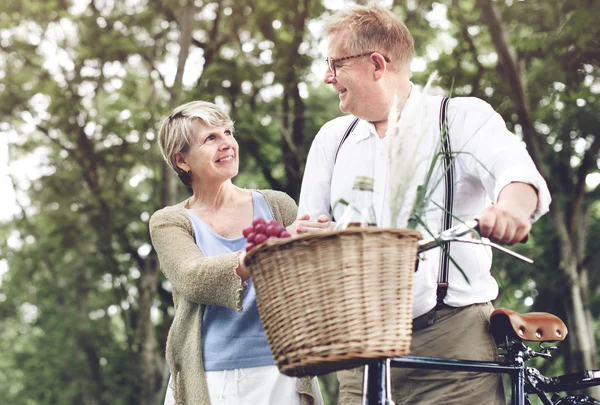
x,y
232,339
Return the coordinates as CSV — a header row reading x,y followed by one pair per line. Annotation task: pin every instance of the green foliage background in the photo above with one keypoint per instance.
x,y
84,310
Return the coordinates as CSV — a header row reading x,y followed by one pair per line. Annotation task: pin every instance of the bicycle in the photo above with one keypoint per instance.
x,y
510,331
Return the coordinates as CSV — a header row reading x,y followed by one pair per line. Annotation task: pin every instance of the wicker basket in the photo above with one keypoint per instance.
x,y
329,300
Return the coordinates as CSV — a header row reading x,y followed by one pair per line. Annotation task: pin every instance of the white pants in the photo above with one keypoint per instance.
x,y
252,386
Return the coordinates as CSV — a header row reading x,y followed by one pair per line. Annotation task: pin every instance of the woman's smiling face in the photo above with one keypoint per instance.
x,y
213,154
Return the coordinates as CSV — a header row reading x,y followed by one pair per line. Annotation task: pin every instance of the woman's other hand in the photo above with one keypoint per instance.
x,y
304,225
241,270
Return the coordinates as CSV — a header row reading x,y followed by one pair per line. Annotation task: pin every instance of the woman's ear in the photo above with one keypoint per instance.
x,y
181,163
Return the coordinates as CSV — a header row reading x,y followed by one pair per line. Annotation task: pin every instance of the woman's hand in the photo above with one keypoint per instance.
x,y
304,225
241,270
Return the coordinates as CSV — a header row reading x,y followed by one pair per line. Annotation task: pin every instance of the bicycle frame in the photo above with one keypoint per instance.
x,y
524,380
376,374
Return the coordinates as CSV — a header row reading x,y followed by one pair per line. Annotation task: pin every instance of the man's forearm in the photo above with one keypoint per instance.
x,y
519,198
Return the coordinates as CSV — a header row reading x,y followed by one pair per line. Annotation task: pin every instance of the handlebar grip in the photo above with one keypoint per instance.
x,y
476,227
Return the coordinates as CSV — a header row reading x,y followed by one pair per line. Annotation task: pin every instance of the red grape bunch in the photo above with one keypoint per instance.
x,y
262,230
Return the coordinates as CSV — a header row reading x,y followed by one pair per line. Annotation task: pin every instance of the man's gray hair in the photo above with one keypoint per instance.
x,y
373,28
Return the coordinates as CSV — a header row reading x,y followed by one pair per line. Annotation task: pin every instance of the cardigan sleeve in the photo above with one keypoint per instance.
x,y
204,280
283,207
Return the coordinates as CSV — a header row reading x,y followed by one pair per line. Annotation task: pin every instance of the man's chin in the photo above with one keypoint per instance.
x,y
344,108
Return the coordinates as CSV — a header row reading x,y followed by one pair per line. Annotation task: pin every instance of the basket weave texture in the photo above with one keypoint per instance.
x,y
329,300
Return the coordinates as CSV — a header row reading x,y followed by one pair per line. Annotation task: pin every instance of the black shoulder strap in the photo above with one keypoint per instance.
x,y
346,135
447,162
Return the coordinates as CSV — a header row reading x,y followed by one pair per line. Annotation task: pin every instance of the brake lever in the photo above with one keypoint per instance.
x,y
457,234
495,246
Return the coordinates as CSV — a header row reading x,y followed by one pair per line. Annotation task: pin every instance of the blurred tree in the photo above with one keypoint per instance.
x,y
75,94
569,154
83,305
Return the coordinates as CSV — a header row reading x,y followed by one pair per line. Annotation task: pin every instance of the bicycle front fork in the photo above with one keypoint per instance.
x,y
377,384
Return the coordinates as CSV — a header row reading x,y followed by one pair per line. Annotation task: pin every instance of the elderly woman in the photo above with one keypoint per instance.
x,y
216,348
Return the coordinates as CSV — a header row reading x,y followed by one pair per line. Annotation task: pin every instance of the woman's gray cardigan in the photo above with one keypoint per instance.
x,y
197,281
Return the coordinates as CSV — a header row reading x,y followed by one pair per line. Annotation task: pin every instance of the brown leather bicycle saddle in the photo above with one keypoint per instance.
x,y
531,327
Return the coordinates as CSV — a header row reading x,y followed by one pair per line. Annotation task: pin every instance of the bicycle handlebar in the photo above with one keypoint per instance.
x,y
464,233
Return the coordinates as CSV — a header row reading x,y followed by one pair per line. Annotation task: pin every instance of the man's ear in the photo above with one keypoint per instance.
x,y
379,64
181,163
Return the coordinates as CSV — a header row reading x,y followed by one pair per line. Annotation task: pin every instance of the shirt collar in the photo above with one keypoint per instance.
x,y
368,129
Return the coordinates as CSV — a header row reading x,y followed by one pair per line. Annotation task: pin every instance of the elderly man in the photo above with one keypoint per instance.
x,y
490,177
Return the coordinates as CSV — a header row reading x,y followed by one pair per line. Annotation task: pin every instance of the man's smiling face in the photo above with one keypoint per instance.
x,y
353,78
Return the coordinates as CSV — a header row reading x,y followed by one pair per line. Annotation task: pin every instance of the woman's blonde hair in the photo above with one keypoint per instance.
x,y
373,28
177,131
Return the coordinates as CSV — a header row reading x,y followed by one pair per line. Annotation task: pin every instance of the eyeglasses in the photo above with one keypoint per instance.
x,y
332,61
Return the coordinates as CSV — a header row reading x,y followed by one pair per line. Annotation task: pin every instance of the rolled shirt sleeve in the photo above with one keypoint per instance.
x,y
492,153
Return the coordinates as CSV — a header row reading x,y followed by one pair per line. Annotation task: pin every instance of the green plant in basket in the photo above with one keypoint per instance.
x,y
407,152
413,155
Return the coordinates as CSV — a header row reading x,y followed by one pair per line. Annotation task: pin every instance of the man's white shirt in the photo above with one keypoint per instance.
x,y
487,158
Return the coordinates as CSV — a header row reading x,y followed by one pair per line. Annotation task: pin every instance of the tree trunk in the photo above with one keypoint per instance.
x,y
151,358
87,352
293,134
149,362
185,19
581,353
581,345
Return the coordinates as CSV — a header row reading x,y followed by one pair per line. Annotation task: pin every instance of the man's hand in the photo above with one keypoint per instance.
x,y
241,270
503,226
304,225
507,222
